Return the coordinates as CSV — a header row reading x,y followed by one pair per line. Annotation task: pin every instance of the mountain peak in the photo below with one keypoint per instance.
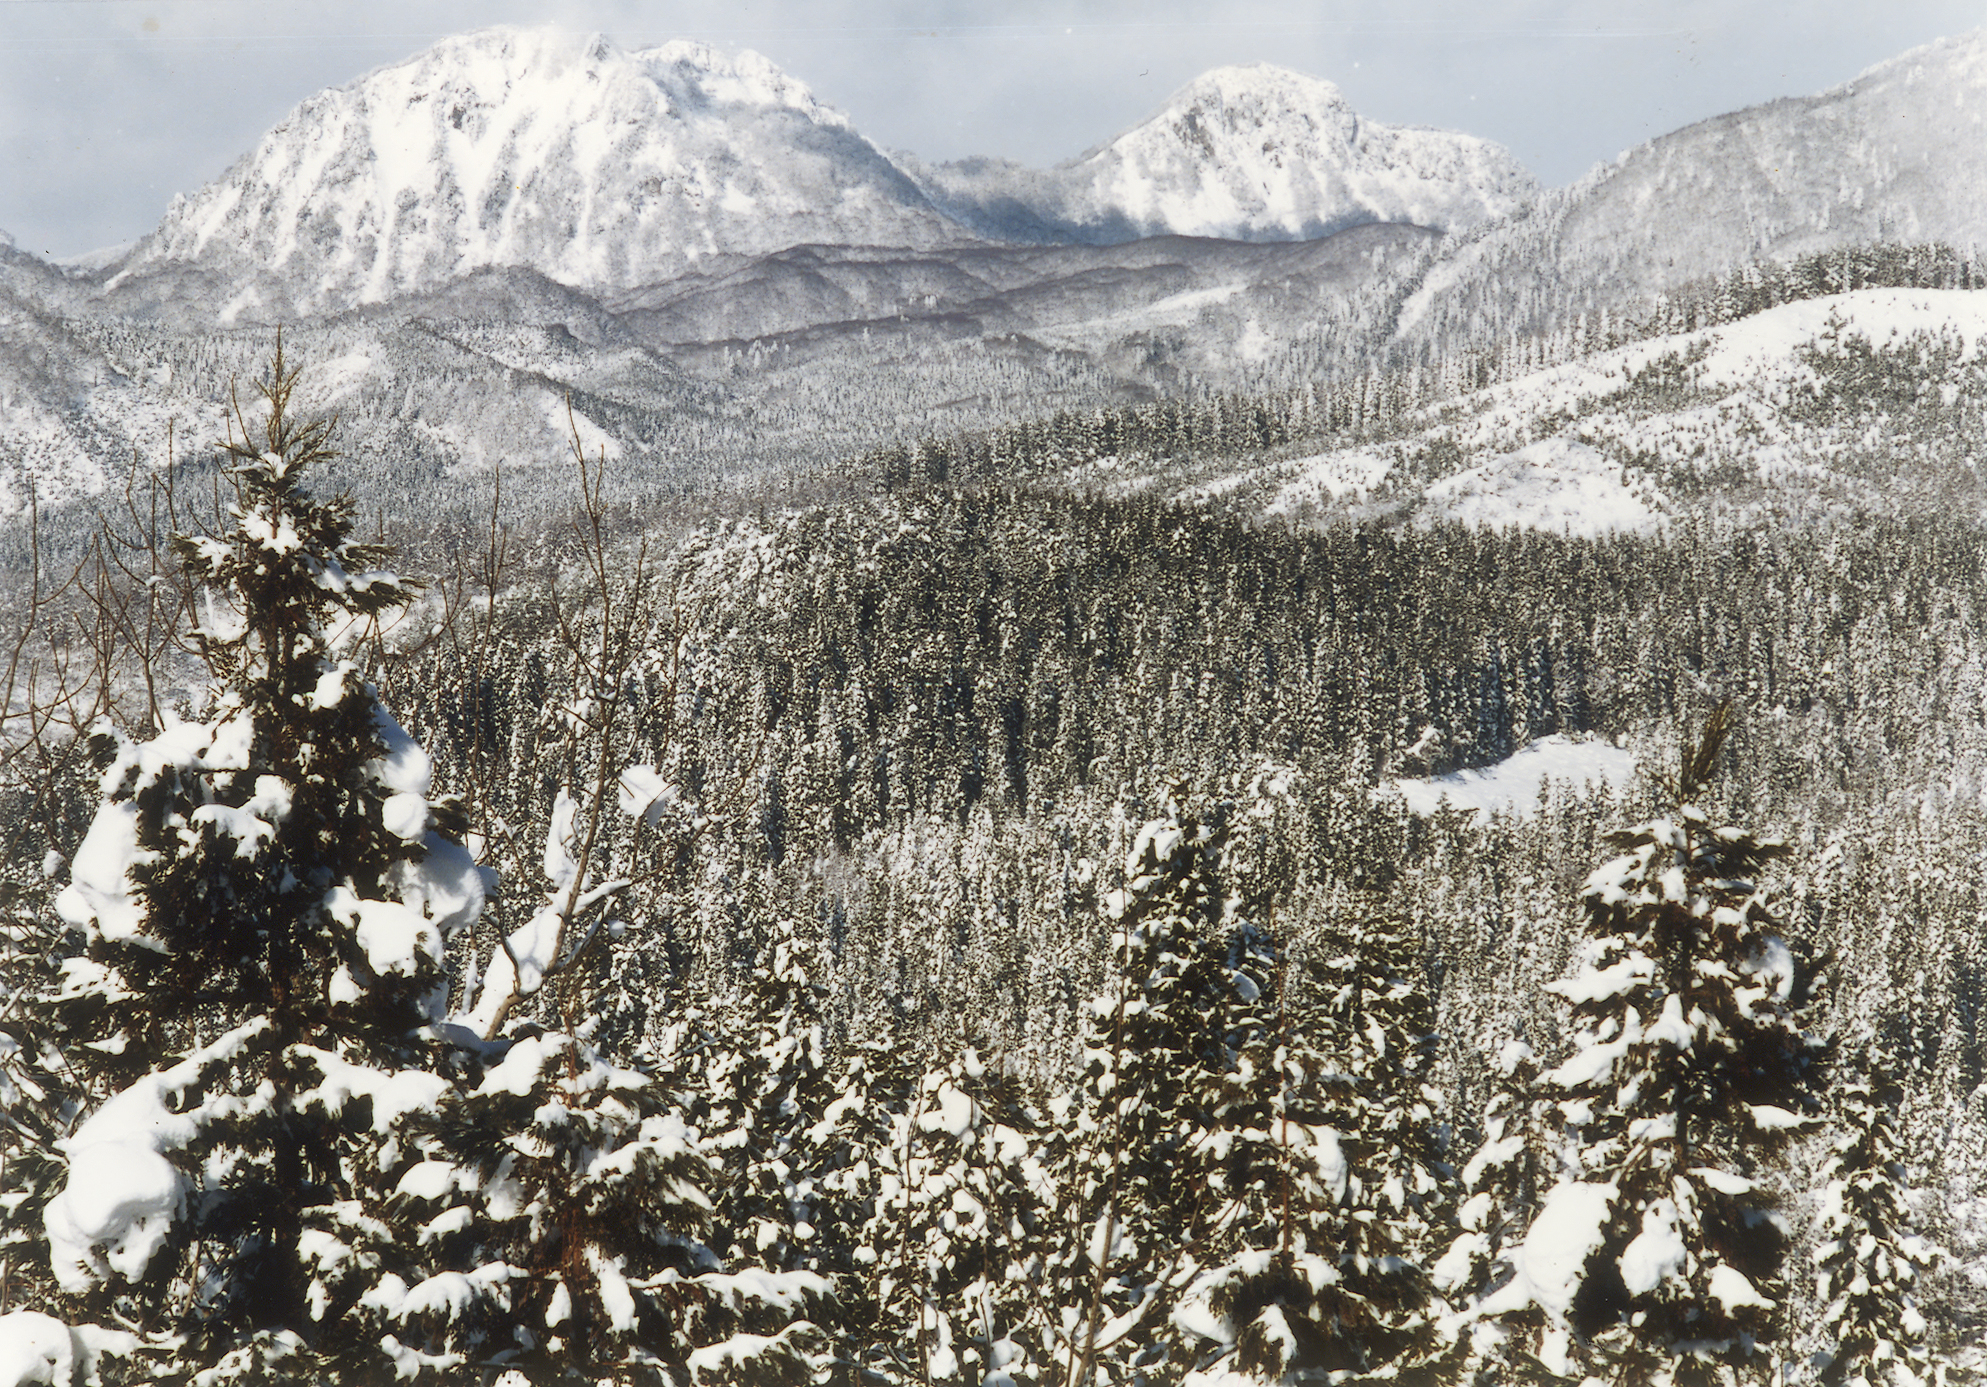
x,y
1249,80
1969,48
544,149
1255,153
1225,105
745,78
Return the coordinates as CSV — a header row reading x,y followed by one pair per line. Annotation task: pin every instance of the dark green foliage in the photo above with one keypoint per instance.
x,y
1869,1258
1689,1069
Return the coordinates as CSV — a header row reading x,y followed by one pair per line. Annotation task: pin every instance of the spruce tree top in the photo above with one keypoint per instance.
x,y
291,562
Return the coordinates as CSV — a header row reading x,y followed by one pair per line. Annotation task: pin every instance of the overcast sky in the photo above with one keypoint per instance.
x,y
109,107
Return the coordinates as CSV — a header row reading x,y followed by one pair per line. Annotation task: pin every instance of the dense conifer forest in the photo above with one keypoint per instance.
x,y
973,930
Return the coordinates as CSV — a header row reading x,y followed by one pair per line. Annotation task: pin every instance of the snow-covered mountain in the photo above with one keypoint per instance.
x,y
607,171
1897,155
1255,153
564,154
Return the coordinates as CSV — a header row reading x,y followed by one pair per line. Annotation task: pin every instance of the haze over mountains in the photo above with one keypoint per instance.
x,y
725,278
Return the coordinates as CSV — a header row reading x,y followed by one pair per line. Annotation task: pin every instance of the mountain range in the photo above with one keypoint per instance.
x,y
724,279
608,171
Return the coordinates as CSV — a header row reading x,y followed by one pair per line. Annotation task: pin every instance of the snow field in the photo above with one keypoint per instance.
x,y
1511,786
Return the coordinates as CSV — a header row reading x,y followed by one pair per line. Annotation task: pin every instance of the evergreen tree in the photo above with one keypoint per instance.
x,y
264,896
1257,1163
37,1091
1136,1198
1689,1068
1374,1017
957,1226
869,1121
767,1084
1868,1260
1503,1184
1286,1295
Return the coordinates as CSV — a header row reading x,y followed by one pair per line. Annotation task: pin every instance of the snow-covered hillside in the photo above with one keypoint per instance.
x,y
1896,155
530,147
1858,397
1255,153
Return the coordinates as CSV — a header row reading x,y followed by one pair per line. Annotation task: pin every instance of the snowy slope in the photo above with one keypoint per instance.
x,y
1799,400
530,147
1254,153
1556,484
1897,155
1749,387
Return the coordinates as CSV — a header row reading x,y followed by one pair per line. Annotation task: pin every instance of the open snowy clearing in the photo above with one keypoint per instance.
x,y
1511,786
1557,485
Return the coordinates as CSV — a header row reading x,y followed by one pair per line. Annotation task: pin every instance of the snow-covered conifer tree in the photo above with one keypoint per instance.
x,y
954,1229
1255,1146
766,1084
1689,1066
265,897
876,1089
1868,1259
1370,1013
37,1091
1269,1298
1156,1051
1503,1182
